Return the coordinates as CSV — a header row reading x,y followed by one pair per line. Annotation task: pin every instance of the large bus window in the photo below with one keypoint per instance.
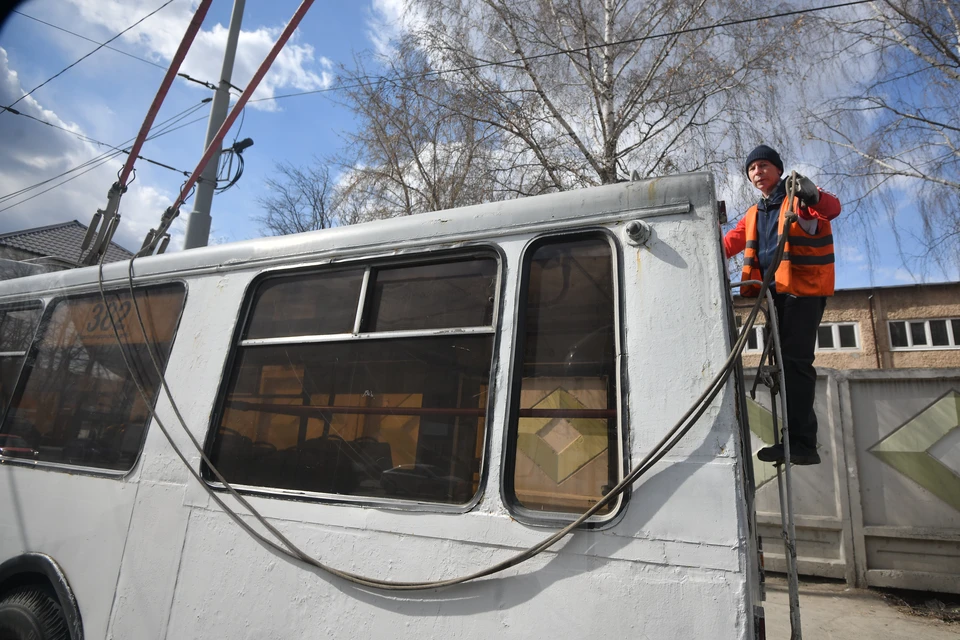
x,y
365,414
77,403
564,450
17,326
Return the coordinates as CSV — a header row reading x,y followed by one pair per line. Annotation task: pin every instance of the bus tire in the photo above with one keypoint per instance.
x,y
30,613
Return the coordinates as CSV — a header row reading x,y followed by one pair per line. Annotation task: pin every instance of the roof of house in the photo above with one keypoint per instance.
x,y
60,241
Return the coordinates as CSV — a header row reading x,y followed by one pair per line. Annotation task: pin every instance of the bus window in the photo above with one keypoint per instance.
x,y
77,403
17,326
564,447
359,409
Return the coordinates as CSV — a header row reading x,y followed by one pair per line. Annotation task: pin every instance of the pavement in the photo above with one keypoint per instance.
x,y
831,610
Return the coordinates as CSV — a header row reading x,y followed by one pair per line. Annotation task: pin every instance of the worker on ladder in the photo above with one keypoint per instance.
x,y
803,280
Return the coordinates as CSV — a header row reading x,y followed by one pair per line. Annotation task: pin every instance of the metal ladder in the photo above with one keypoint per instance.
x,y
772,377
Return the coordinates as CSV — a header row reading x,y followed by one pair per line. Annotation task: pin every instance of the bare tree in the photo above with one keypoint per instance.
x,y
896,132
414,149
300,199
584,92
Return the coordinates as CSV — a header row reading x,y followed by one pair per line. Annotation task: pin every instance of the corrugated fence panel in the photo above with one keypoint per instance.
x,y
883,508
906,430
824,538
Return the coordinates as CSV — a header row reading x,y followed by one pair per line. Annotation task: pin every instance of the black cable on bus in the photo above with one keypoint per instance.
x,y
289,549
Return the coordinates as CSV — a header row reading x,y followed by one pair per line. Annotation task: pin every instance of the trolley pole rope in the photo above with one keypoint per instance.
x,y
175,63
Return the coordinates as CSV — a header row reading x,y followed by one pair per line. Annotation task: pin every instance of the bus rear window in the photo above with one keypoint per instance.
x,y
77,402
367,414
564,438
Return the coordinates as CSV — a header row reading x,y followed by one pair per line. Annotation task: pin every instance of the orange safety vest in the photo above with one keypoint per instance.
x,y
807,265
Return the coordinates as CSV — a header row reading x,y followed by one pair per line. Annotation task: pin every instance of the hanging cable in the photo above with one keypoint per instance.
x,y
284,546
227,158
67,68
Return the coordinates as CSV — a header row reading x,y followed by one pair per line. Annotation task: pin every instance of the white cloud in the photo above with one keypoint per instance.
x,y
388,20
297,67
34,152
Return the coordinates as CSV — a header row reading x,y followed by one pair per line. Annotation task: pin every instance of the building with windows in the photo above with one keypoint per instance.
x,y
896,327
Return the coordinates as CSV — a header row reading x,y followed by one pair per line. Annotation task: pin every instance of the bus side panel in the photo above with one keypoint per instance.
x,y
83,525
153,553
150,563
231,587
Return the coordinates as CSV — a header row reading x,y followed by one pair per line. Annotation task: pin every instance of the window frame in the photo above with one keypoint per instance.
x,y
951,334
49,307
26,305
415,258
835,331
757,332
508,454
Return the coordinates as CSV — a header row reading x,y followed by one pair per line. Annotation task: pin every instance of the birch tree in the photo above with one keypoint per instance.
x,y
299,199
586,92
415,148
896,132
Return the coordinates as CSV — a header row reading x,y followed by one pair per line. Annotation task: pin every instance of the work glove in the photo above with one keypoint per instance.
x,y
804,189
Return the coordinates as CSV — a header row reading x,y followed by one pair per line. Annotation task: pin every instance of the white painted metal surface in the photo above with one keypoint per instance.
x,y
151,556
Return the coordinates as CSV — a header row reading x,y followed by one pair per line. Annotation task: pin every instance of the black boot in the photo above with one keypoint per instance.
x,y
799,455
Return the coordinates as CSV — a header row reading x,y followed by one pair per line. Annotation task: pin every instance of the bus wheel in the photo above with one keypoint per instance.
x,y
30,613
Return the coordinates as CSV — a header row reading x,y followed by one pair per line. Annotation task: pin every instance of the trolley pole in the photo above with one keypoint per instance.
x,y
198,224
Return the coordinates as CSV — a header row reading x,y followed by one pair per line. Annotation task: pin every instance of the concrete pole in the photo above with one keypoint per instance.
x,y
198,224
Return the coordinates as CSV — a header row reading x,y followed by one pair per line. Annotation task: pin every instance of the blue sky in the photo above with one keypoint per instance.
x,y
106,96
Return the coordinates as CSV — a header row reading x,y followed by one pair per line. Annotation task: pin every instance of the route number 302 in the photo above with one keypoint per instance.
x,y
100,320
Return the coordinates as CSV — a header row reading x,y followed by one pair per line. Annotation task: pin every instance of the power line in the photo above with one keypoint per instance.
x,y
83,37
104,157
99,161
558,52
60,184
101,46
165,127
206,84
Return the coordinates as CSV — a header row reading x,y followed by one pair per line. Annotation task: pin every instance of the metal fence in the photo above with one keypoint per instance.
x,y
883,508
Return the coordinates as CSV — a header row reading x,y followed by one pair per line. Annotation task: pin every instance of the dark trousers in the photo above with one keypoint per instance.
x,y
798,320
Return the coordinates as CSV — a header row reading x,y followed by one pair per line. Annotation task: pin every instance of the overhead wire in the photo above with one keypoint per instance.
x,y
105,159
101,46
185,76
558,52
167,128
83,37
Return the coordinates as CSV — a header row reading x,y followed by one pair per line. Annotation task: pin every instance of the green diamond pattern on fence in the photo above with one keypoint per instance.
x,y
907,449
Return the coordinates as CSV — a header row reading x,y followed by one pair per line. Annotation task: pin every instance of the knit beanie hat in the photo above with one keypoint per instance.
x,y
763,152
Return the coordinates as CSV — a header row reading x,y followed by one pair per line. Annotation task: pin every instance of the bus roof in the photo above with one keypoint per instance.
x,y
607,204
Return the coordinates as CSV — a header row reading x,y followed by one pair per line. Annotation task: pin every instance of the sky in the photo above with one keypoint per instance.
x,y
105,97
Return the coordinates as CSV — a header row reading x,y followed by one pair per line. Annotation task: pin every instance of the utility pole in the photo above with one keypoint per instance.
x,y
198,225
